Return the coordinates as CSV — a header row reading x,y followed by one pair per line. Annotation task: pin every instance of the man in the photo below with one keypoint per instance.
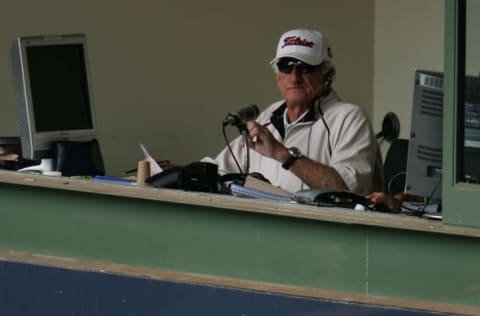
x,y
310,139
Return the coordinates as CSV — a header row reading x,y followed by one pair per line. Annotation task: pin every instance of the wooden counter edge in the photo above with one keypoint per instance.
x,y
337,215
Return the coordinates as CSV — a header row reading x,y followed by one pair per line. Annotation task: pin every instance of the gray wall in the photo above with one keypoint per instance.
x,y
409,35
166,72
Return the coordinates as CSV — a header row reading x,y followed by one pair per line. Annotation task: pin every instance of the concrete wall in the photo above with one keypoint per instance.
x,y
166,72
408,36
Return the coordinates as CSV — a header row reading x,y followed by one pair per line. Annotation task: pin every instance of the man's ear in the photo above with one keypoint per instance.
x,y
329,77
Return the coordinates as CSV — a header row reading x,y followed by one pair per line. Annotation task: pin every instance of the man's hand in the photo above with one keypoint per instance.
x,y
262,141
314,174
381,198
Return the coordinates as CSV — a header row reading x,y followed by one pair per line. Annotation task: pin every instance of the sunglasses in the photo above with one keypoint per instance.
x,y
286,66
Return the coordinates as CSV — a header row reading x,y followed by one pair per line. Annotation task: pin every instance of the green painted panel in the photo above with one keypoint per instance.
x,y
252,246
426,266
185,238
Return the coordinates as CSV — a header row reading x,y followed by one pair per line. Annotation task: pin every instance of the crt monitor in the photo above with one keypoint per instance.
x,y
53,92
424,162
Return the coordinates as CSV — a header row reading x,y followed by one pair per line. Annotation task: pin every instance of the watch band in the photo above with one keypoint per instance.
x,y
293,155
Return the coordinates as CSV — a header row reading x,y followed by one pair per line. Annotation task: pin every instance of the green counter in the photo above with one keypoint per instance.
x,y
273,246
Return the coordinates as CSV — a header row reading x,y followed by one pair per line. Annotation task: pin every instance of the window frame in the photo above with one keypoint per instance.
x,y
459,199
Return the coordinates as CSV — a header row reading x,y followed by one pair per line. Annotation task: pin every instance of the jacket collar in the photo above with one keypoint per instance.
x,y
319,107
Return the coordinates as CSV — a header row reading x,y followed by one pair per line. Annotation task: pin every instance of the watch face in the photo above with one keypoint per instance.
x,y
294,152
293,155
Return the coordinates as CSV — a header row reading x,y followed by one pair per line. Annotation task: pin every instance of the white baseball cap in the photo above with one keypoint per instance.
x,y
308,46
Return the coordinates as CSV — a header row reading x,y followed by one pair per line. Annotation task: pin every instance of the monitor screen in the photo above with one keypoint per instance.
x,y
58,82
53,92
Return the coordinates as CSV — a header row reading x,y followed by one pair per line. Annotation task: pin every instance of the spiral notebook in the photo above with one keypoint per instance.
x,y
257,189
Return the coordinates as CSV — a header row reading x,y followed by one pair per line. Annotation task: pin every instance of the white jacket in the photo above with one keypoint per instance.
x,y
354,150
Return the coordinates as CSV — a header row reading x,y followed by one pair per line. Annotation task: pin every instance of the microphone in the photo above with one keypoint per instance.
x,y
247,113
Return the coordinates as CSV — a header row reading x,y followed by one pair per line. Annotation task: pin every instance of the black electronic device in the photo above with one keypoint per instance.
x,y
197,176
331,198
338,198
78,158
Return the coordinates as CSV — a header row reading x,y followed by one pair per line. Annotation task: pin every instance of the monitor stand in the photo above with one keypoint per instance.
x,y
45,165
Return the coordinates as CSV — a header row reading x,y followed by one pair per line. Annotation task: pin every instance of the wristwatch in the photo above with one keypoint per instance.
x,y
293,154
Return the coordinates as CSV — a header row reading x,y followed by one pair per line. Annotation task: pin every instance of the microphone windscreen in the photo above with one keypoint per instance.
x,y
245,114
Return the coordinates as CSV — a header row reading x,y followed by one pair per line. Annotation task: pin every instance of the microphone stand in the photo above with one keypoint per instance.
x,y
246,163
239,121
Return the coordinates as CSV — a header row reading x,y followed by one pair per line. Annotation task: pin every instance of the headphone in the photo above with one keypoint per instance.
x,y
329,73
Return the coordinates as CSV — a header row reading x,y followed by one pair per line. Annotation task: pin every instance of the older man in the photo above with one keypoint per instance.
x,y
310,139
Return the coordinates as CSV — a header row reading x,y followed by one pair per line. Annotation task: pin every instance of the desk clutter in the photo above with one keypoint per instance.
x,y
11,154
84,160
197,176
70,158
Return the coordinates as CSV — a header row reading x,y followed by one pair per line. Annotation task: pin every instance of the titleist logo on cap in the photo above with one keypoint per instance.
x,y
295,40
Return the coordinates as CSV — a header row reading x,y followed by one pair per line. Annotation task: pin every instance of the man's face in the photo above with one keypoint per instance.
x,y
299,83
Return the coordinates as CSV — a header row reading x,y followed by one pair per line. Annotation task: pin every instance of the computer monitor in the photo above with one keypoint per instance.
x,y
424,162
53,92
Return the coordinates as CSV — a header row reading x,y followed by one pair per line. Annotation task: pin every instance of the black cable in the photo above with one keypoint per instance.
x,y
421,210
328,131
246,149
414,211
430,197
389,184
230,149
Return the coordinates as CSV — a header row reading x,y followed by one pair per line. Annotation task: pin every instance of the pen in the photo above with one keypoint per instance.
x,y
116,180
266,124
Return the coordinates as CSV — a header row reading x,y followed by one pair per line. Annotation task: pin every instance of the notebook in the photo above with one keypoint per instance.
x,y
258,189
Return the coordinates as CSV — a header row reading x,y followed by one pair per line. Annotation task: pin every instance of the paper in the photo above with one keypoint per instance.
x,y
154,166
254,183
